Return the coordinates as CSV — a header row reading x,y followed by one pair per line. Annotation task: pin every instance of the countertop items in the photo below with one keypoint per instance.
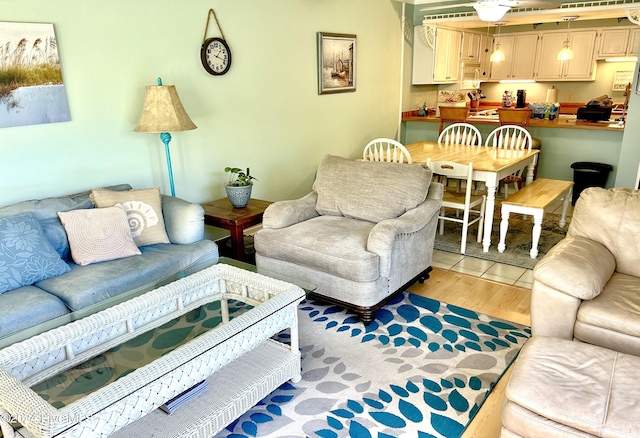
x,y
565,121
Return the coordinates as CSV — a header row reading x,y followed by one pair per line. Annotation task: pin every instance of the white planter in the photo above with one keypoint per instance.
x,y
238,195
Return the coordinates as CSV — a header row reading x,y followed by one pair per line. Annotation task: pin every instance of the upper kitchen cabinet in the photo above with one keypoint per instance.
x,y
439,62
617,41
612,42
519,51
634,41
581,68
470,51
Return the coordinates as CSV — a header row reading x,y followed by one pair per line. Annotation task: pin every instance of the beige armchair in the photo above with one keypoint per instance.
x,y
365,232
587,287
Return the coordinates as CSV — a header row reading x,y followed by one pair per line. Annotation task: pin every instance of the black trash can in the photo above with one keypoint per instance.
x,y
586,174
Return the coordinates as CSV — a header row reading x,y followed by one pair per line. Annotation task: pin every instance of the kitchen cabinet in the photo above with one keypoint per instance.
x,y
519,50
612,42
437,64
617,42
581,68
470,49
634,41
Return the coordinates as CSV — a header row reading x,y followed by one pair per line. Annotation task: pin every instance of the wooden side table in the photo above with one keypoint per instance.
x,y
220,213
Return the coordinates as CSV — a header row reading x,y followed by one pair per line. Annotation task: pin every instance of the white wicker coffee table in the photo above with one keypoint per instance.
x,y
234,351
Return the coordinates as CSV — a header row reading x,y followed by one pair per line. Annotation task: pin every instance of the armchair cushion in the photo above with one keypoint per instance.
x,y
332,244
351,188
611,218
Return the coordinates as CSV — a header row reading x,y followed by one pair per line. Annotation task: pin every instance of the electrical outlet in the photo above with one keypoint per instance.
x,y
569,97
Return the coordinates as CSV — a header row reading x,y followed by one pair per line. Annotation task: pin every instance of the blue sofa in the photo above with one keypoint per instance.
x,y
86,286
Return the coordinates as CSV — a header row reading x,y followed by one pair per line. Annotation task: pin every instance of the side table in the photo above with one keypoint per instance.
x,y
220,213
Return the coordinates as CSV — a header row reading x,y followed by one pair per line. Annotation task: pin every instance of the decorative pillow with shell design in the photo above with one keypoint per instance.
x,y
144,212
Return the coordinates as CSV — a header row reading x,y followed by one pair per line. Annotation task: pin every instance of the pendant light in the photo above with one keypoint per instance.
x,y
498,54
566,54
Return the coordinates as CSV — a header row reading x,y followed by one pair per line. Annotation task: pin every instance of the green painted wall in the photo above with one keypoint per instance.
x,y
265,113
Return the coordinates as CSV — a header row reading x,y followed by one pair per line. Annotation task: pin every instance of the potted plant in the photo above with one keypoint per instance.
x,y
239,186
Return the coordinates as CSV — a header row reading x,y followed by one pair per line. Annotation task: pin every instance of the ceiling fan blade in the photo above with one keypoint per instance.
x,y
437,8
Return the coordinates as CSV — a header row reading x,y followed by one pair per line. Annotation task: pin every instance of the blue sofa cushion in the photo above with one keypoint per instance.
x,y
27,306
25,254
87,285
46,212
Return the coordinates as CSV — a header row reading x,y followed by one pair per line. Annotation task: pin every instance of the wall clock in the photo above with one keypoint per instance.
x,y
215,55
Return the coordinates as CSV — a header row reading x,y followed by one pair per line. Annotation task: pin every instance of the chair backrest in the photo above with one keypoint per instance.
x,y
509,137
460,133
386,149
456,171
452,114
515,116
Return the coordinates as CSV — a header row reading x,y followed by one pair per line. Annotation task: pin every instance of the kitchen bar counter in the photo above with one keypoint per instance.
x,y
563,141
565,122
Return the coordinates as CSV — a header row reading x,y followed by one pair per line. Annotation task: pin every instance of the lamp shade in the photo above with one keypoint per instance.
x,y
490,10
497,55
163,111
565,54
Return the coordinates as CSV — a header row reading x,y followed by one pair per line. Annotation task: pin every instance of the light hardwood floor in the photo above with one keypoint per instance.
x,y
501,300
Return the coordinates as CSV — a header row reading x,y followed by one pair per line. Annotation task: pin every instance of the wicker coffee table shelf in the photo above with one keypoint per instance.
x,y
238,358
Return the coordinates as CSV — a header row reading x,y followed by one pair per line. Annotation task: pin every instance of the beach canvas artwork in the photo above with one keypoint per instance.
x,y
31,87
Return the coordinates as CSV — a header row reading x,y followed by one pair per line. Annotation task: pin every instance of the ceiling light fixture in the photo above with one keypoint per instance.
x,y
498,54
566,54
490,10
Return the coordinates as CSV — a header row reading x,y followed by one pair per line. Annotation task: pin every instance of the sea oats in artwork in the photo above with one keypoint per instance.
x,y
31,86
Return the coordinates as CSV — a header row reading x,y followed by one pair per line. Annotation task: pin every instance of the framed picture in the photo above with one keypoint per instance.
x,y
336,63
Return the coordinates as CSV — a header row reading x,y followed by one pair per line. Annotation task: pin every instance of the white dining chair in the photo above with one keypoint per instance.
x,y
460,133
386,149
510,137
466,201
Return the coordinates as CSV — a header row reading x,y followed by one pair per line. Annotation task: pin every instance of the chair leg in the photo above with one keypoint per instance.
x,y
465,228
441,221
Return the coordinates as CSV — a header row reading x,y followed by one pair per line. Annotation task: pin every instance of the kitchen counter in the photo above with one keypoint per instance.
x,y
564,121
563,141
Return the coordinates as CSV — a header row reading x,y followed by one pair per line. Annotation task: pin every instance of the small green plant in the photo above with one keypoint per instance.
x,y
237,177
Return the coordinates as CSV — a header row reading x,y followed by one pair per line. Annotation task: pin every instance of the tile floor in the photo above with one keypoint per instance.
x,y
483,268
490,270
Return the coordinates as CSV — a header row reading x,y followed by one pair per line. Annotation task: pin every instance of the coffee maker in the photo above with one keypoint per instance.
x,y
521,97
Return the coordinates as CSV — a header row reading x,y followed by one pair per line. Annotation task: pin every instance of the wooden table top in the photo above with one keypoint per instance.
x,y
221,211
484,158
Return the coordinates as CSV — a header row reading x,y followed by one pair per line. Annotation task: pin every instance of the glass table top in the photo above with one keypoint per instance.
x,y
78,314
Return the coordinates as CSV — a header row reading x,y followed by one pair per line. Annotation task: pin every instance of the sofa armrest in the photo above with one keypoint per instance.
x,y
283,214
384,234
574,270
576,266
183,220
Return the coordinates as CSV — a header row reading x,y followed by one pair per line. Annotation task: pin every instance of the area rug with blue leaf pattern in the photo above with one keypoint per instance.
x,y
422,369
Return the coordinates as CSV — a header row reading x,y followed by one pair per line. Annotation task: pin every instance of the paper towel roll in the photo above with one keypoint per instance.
x,y
552,95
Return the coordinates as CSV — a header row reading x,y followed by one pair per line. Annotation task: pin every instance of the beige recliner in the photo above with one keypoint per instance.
x,y
587,287
366,231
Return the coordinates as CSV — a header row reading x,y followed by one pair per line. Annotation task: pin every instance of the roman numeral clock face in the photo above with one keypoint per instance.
x,y
216,56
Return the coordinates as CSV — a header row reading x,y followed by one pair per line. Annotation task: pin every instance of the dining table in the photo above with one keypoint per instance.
x,y
490,165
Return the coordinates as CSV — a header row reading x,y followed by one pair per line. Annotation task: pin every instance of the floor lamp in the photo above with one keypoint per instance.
x,y
163,112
